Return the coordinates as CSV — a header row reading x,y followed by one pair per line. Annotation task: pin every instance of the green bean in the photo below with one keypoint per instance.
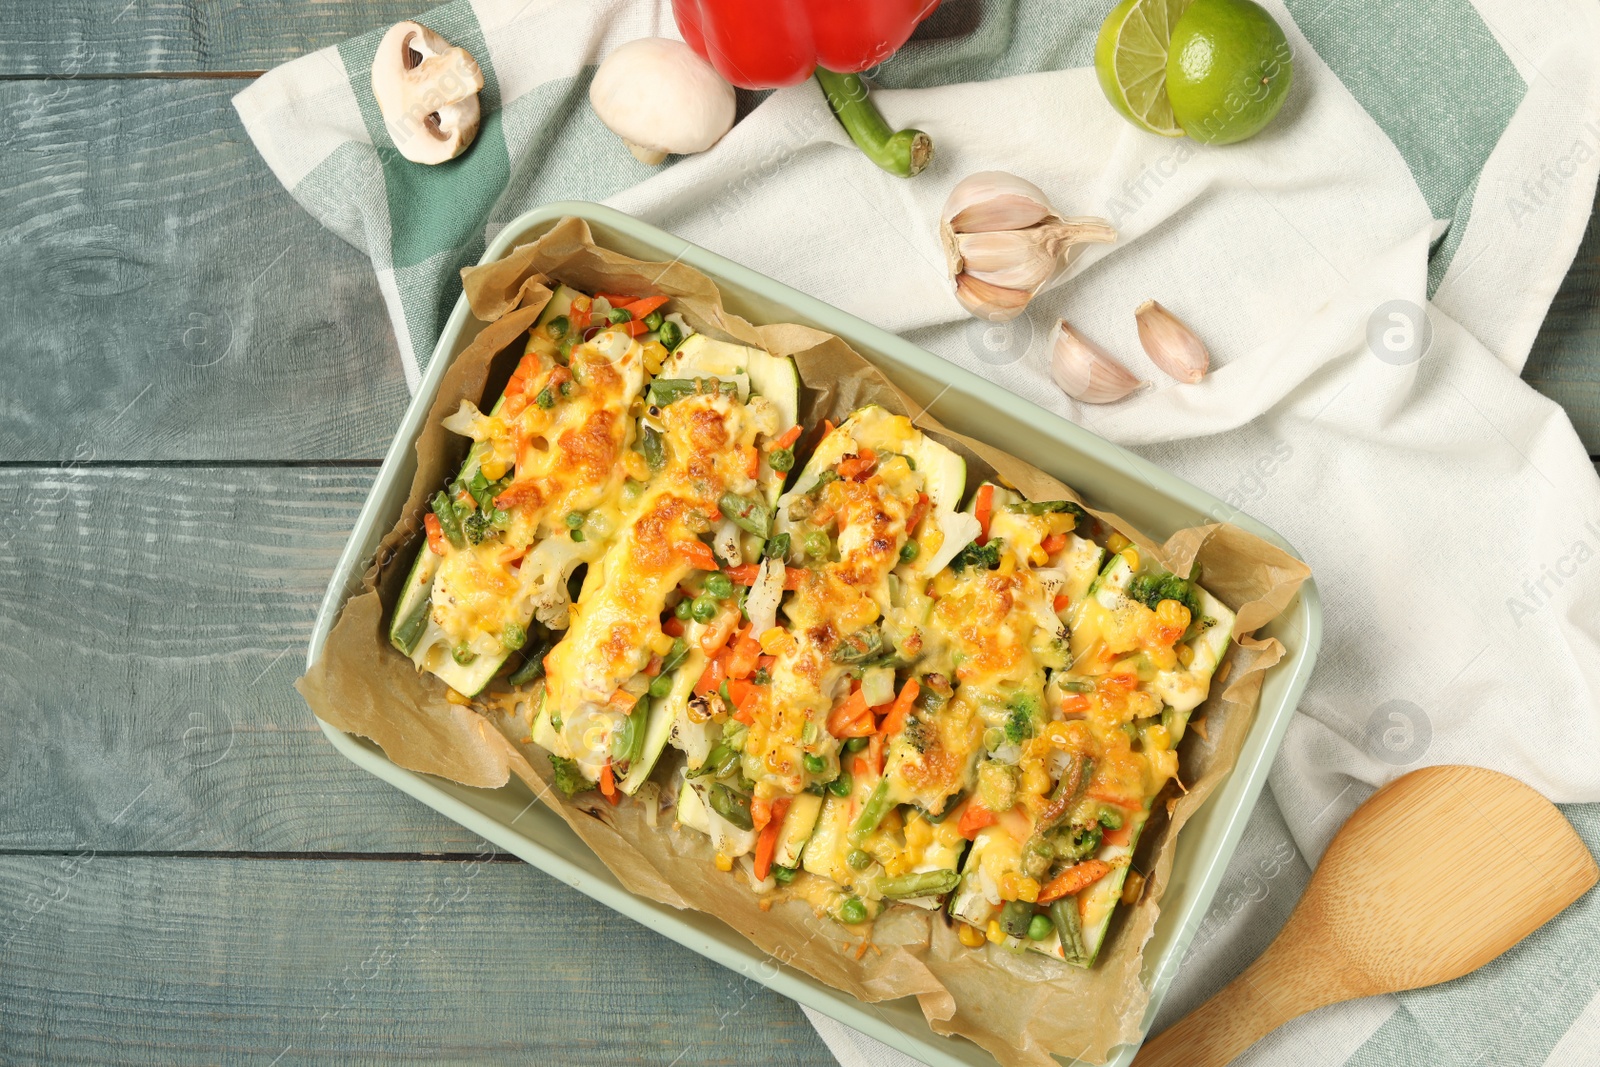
x,y
654,452
919,884
1077,685
719,752
1016,917
1040,928
514,636
783,875
872,812
1069,927
749,515
735,807
449,521
852,911
406,635
532,668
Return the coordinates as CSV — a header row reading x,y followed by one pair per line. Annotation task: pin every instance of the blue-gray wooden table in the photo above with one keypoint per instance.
x,y
199,382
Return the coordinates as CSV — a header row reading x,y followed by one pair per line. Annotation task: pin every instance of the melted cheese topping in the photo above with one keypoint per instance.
x,y
834,600
617,620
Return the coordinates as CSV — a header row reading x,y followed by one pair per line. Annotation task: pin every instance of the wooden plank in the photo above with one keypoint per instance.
x,y
137,960
1564,363
152,622
87,37
166,299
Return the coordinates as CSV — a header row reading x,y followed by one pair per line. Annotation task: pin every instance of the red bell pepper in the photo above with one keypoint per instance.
x,y
781,42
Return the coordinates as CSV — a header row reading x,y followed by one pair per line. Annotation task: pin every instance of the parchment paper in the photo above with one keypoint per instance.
x,y
1021,1007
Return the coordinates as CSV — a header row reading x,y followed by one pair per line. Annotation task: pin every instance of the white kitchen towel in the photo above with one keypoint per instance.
x,y
1369,274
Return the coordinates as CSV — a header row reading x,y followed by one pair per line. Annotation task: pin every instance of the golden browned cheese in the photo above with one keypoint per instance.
x,y
565,460
617,621
834,600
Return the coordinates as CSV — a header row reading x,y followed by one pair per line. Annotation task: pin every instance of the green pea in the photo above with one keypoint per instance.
x,y
514,636
653,321
557,327
817,545
574,519
620,315
577,535
546,399
671,334
909,551
840,786
719,585
858,859
783,875
463,655
1040,928
855,744
782,460
660,685
852,911
814,763
681,611
704,608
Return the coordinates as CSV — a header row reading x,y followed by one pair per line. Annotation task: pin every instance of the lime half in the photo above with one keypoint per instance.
x,y
1130,59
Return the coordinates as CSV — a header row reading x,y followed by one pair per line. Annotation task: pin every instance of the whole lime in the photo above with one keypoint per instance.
x,y
1229,67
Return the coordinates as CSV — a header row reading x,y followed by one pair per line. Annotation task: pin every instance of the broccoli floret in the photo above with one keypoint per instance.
x,y
1019,726
1152,589
917,734
569,779
976,555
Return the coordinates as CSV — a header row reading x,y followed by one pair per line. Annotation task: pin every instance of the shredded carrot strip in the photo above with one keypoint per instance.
x,y
983,510
643,306
698,553
917,512
848,715
974,817
787,440
895,721
710,679
608,783
673,627
771,826
653,668
1054,543
1074,879
435,533
616,300
752,460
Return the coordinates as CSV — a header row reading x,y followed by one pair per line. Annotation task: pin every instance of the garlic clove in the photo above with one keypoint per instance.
x,y
1011,259
1085,371
1171,345
994,200
988,301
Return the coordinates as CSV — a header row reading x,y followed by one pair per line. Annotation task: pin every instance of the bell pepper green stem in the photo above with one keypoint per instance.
x,y
872,812
921,884
902,153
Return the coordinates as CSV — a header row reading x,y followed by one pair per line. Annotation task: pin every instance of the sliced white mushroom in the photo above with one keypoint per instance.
x,y
427,90
661,98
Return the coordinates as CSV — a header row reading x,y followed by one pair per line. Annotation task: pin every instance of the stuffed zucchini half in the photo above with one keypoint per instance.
x,y
872,512
1061,802
501,542
698,499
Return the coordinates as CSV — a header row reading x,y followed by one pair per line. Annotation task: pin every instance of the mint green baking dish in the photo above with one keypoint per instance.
x,y
1108,476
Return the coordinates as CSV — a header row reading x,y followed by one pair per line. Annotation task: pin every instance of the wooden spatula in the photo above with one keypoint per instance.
x,y
1439,872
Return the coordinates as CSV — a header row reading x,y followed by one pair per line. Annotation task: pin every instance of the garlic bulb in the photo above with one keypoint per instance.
x,y
1003,242
1170,344
1084,370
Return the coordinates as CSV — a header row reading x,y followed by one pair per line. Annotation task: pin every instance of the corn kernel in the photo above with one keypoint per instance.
x,y
456,698
1027,889
660,644
493,468
1057,733
723,863
1008,564
970,936
994,933
1132,887
1131,554
1035,781
654,354
1116,542
1008,885
1038,556
1185,654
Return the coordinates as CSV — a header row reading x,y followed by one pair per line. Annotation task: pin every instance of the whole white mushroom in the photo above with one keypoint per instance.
x,y
661,98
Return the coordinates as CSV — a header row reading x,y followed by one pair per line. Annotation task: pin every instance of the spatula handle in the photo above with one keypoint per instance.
x,y
1297,972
